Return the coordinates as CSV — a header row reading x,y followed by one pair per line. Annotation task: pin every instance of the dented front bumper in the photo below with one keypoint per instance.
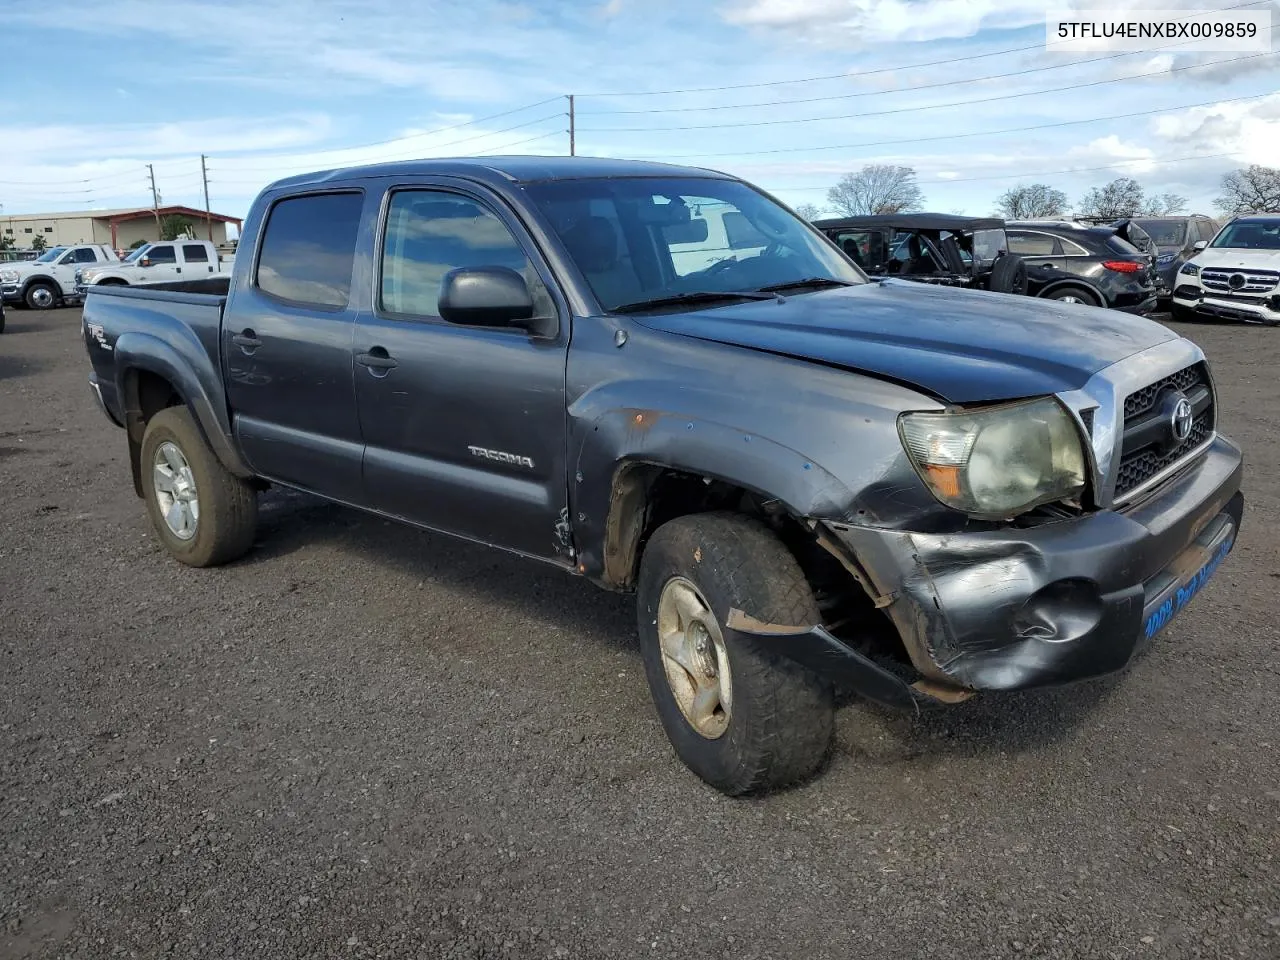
x,y
1062,601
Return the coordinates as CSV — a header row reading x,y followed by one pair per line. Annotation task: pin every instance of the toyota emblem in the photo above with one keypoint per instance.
x,y
1182,419
1237,281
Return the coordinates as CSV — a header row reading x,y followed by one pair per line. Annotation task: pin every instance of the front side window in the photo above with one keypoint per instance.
x,y
1249,235
309,249
431,232
162,253
194,253
641,239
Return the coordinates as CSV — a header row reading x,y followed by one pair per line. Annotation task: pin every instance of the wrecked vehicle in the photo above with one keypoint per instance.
x,y
815,483
938,248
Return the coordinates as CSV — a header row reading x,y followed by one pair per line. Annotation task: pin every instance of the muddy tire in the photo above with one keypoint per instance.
x,y
202,513
774,723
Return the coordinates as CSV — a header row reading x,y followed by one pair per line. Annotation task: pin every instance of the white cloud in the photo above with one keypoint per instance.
x,y
862,22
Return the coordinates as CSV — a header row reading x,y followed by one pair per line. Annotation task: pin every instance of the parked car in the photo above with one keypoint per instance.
x,y
1176,240
49,280
929,248
1092,265
1,316
813,482
1236,276
156,263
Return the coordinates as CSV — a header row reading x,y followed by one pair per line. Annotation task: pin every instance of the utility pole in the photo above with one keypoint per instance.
x,y
208,220
572,131
155,199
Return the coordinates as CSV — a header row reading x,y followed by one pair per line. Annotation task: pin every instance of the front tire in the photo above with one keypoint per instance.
x,y
203,514
740,716
40,296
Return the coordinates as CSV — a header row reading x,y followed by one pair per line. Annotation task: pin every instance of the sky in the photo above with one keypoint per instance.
x,y
789,94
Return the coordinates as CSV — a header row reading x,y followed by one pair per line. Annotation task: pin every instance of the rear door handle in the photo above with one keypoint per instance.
x,y
247,341
377,360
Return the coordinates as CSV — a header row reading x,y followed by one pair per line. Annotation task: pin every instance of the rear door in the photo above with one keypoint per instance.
x,y
286,346
1043,255
196,261
465,428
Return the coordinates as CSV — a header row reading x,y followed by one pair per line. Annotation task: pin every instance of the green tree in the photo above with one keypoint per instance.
x,y
175,225
137,243
6,243
38,243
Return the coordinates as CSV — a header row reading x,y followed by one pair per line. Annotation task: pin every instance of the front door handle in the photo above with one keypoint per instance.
x,y
247,341
377,360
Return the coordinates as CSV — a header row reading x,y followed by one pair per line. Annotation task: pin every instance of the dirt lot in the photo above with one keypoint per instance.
x,y
367,741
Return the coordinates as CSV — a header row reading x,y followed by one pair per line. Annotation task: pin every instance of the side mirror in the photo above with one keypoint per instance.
x,y
1200,245
485,297
144,262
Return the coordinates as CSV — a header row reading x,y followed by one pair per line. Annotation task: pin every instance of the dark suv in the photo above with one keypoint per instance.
x,y
1075,263
1176,240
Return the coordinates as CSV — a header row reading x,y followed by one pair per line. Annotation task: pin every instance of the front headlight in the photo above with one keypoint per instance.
x,y
9,276
86,276
999,462
1189,270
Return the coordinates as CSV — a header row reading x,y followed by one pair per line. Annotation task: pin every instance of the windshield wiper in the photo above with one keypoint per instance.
x,y
806,282
697,296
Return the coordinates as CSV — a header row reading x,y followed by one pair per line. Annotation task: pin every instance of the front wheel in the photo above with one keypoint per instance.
x,y
204,514
740,716
41,296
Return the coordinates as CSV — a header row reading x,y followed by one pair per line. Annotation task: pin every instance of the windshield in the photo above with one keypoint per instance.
x,y
50,255
136,254
1165,233
641,239
1249,235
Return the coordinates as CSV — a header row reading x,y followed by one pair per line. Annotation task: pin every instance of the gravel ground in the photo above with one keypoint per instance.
x,y
365,741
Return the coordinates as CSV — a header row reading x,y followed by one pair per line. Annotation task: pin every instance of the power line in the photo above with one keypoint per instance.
x,y
863,73
947,136
896,90
1051,173
934,106
520,143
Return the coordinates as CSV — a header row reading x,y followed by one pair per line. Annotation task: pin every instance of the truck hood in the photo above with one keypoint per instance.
x,y
962,346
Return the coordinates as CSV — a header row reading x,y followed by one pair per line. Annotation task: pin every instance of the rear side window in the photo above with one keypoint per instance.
x,y
194,253
309,249
163,254
1034,245
85,255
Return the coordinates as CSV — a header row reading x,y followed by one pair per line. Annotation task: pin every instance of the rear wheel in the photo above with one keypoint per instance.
x,y
740,716
1074,295
41,296
204,514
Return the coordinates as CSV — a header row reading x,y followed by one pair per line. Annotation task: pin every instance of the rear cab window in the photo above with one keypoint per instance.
x,y
308,249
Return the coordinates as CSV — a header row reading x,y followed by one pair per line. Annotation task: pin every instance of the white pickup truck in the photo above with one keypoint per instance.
x,y
161,262
50,279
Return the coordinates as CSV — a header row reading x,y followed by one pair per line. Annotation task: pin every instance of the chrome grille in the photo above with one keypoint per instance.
x,y
1220,280
1145,448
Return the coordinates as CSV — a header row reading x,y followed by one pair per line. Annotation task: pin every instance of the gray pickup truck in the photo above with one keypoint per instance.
x,y
817,485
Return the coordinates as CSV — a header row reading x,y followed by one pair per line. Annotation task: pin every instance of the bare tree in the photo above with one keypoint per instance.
x,y
1122,197
809,211
1031,202
876,188
1165,204
1253,189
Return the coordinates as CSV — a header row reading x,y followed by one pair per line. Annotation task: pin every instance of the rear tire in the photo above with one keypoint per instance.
x,y
1074,295
203,514
775,725
40,296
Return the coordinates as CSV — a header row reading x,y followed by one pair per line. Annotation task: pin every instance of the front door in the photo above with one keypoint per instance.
x,y
286,348
464,427
162,264
1043,255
